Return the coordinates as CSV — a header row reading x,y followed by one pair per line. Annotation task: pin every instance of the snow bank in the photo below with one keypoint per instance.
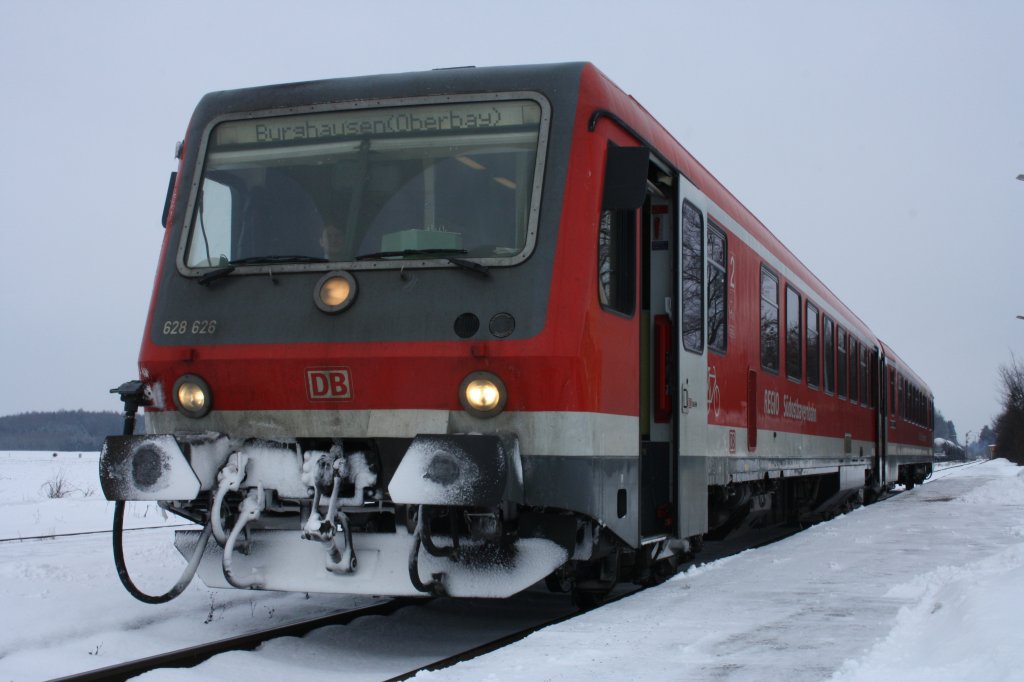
x,y
964,624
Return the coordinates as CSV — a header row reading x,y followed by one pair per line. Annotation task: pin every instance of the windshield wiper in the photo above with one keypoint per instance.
x,y
214,275
470,265
409,252
441,253
265,260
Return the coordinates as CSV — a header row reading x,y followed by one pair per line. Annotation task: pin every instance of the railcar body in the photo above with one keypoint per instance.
x,y
458,331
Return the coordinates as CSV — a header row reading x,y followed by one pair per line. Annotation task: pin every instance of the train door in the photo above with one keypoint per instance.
x,y
658,359
691,349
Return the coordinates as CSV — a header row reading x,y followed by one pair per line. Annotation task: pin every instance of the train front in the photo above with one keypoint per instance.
x,y
346,352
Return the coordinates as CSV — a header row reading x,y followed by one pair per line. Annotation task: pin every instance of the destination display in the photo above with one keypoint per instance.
x,y
349,124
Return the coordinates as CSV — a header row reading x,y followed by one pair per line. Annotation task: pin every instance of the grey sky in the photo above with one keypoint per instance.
x,y
879,140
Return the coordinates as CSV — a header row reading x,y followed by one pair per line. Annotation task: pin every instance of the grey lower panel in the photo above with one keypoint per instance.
x,y
595,486
725,470
693,496
893,462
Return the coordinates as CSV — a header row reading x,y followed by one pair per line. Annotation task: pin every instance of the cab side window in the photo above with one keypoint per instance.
x,y
616,261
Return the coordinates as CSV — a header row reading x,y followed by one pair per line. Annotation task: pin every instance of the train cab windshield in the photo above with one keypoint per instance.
x,y
368,186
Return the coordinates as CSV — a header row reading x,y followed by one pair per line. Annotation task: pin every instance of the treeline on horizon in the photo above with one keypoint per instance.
x,y
64,430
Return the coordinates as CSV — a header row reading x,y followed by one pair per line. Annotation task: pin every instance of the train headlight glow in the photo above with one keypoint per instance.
x,y
335,291
192,396
483,394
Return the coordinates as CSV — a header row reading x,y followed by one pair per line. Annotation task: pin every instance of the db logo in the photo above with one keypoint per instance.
x,y
328,383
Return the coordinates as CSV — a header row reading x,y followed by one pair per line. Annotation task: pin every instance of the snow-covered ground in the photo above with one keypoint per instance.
x,y
925,586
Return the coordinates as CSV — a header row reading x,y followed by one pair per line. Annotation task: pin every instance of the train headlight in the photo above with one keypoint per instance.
x,y
335,291
192,396
483,394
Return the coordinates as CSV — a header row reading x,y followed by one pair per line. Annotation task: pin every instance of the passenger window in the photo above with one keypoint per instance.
x,y
892,392
813,349
693,279
616,261
830,357
863,376
875,386
794,349
717,292
901,401
854,374
841,361
769,320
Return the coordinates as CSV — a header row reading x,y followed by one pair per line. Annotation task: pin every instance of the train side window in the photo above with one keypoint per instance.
x,y
901,398
794,348
841,361
830,357
718,251
616,261
873,378
854,373
693,278
864,376
813,348
892,392
769,320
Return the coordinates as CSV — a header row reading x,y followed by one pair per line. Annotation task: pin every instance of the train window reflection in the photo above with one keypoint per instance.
x,y
841,361
616,258
717,294
813,348
794,351
693,278
829,350
769,320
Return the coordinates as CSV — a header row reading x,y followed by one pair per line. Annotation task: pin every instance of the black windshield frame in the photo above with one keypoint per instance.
x,y
428,261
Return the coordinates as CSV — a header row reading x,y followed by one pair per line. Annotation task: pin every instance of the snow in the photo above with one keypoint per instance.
x,y
924,586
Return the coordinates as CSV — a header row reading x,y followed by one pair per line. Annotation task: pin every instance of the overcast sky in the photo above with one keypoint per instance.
x,y
879,140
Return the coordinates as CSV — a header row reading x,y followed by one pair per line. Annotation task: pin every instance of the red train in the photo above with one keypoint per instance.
x,y
454,332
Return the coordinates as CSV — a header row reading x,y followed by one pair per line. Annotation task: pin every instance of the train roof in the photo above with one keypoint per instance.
x,y
553,79
904,368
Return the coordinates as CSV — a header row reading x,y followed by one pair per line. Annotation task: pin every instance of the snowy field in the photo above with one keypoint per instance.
x,y
925,586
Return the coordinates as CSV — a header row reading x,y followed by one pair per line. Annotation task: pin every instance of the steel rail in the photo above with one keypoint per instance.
x,y
191,656
54,536
504,640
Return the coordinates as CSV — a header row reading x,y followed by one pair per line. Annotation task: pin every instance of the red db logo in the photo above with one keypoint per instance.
x,y
328,383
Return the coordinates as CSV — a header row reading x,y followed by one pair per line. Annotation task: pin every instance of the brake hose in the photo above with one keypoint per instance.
x,y
122,569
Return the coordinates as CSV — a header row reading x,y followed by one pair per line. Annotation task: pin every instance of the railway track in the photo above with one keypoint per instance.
x,y
190,656
108,531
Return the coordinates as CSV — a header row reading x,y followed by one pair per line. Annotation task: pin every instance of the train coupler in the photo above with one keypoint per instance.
x,y
329,471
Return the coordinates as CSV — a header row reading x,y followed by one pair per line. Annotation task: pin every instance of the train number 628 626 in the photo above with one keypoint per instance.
x,y
179,327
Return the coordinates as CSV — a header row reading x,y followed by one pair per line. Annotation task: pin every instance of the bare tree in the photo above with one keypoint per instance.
x,y
1009,426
